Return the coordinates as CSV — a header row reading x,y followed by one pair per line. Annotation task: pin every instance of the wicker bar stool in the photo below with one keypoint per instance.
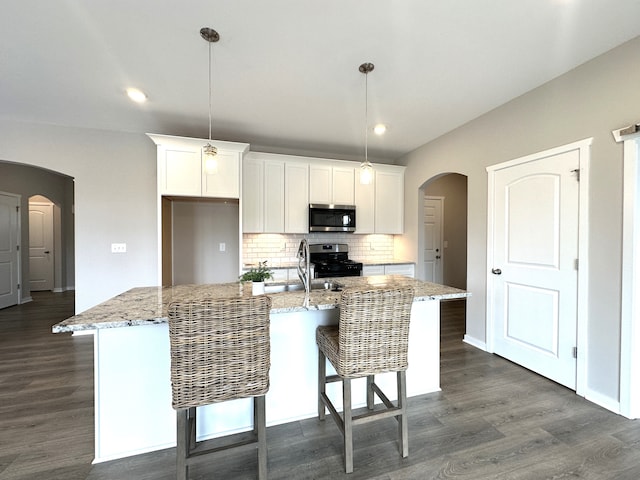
x,y
220,350
371,338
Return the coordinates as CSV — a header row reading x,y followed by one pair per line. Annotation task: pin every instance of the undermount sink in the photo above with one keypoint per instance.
x,y
297,287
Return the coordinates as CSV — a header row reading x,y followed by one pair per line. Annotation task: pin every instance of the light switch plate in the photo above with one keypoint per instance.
x,y
118,248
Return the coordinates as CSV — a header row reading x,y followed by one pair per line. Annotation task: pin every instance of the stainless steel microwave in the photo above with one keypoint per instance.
x,y
332,218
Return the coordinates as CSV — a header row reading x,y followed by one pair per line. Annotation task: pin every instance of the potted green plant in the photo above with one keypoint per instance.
x,y
257,275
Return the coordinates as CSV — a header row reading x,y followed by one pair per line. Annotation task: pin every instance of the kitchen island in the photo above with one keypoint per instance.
x,y
133,411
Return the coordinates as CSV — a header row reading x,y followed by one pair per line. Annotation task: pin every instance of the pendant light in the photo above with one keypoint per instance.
x,y
366,169
210,152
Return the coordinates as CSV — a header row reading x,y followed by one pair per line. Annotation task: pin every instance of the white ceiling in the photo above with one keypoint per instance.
x,y
286,71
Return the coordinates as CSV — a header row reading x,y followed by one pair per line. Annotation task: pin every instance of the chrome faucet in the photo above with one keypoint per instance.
x,y
304,269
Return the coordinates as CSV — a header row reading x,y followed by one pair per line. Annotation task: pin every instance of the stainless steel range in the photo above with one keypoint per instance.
x,y
332,260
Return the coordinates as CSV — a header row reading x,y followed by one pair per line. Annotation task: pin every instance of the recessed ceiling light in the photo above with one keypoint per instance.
x,y
136,95
379,129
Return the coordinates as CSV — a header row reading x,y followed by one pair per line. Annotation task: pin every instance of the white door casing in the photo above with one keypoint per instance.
x,y
630,321
537,207
9,250
433,231
41,252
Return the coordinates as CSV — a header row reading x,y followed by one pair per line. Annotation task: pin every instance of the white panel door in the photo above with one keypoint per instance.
x,y
433,239
41,259
535,280
9,254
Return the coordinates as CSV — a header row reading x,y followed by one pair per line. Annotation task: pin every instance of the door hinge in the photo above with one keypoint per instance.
x,y
18,286
575,352
577,173
577,263
18,248
17,208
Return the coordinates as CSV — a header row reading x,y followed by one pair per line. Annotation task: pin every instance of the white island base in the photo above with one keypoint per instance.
x,y
133,412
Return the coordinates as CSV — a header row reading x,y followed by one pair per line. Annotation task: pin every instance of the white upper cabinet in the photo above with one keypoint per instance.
x,y
331,182
365,206
320,183
296,197
343,185
252,194
389,199
181,167
275,194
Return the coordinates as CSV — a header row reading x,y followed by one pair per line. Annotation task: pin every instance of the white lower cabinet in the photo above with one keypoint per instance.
x,y
370,270
406,269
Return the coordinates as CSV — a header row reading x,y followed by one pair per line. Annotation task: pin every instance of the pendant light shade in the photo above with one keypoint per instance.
x,y
209,151
366,169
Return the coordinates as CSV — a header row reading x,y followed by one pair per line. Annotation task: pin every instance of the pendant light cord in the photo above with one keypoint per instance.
x,y
209,91
366,118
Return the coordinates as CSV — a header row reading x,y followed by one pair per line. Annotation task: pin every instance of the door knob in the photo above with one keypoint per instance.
x,y
496,271
437,257
47,251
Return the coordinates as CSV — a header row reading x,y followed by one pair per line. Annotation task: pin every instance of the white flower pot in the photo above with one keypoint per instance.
x,y
257,288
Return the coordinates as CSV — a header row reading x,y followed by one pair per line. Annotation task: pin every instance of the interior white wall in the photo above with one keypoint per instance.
x,y
588,101
115,200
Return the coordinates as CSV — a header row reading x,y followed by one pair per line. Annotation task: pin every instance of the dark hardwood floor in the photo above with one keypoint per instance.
x,y
492,420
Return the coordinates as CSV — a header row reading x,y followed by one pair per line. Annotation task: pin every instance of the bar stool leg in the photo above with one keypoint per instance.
x,y
370,380
191,425
403,421
348,425
261,427
322,382
182,444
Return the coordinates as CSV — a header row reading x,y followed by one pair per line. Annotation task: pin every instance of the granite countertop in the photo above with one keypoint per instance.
x,y
148,305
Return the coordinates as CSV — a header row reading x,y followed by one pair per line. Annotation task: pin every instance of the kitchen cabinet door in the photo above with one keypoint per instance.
x,y
225,183
365,206
320,183
369,270
389,199
274,196
331,183
252,195
342,181
296,197
406,269
179,171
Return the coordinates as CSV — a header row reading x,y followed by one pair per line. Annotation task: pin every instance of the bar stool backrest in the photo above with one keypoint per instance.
x,y
374,331
220,350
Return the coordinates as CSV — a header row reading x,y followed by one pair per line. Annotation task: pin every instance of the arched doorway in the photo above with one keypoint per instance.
x,y
449,190
34,185
443,234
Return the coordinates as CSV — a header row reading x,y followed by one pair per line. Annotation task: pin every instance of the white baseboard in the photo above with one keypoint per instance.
x,y
63,289
475,342
26,300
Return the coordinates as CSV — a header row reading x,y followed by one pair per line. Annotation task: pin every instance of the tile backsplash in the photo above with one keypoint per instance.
x,y
280,249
